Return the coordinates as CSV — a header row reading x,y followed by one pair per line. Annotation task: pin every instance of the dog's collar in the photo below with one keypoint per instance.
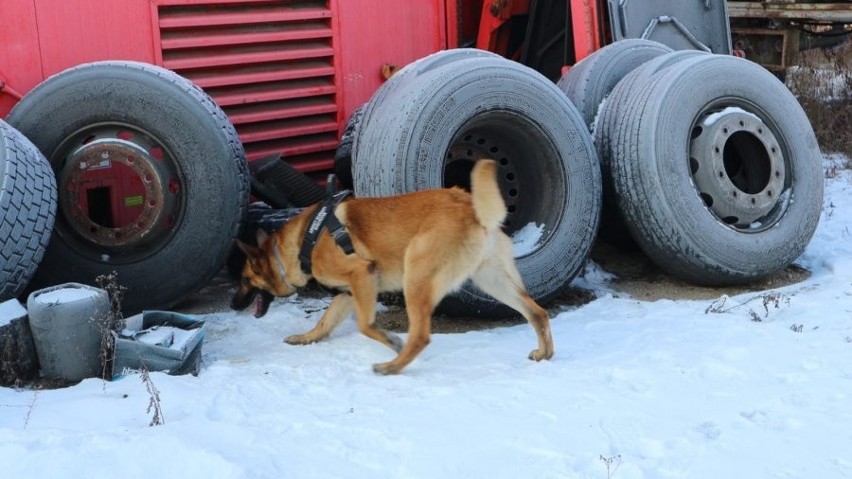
x,y
323,218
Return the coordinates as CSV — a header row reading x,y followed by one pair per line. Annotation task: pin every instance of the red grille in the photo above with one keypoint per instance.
x,y
268,64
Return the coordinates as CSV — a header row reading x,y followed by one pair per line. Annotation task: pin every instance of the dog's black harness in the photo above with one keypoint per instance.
x,y
323,218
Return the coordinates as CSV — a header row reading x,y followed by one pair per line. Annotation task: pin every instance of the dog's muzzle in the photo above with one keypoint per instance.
x,y
260,298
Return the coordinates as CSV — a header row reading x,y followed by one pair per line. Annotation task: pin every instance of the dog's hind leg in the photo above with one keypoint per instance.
x,y
340,307
499,277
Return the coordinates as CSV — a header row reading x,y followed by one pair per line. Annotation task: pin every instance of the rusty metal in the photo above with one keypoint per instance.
x,y
820,12
501,8
773,49
120,191
5,88
495,24
388,70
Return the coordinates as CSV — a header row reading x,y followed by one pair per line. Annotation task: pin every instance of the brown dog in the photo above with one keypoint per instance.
x,y
425,243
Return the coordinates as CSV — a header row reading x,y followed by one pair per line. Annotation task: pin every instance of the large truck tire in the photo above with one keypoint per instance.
x,y
591,80
716,170
613,229
345,154
429,132
153,180
27,210
414,70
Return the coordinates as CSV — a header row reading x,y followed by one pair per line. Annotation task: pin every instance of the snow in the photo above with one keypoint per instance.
x,y
756,385
68,294
157,336
11,310
526,239
714,117
164,336
826,84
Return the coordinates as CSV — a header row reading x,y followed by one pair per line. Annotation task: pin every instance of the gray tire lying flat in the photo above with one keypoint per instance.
x,y
156,129
27,210
716,170
430,131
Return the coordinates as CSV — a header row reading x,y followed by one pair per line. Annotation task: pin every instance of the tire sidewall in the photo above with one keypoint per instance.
x,y
401,80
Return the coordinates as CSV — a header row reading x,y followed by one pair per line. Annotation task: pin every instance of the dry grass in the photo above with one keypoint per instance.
x,y
822,81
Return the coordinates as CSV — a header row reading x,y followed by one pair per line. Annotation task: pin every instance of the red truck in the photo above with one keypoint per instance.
x,y
150,113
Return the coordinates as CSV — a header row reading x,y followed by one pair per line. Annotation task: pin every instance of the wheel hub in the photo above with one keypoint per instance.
x,y
118,191
465,152
737,167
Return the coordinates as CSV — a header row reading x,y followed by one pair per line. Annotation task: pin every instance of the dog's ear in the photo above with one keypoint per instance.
x,y
248,249
262,236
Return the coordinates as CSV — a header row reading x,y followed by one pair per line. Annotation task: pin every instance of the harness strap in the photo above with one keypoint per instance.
x,y
323,219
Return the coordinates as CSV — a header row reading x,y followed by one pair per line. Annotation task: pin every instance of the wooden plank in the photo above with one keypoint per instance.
x,y
821,12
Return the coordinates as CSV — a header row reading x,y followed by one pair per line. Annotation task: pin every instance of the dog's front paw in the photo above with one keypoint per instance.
x,y
538,355
386,368
298,339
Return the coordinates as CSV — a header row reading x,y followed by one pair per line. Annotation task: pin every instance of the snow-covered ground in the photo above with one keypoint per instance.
x,y
751,386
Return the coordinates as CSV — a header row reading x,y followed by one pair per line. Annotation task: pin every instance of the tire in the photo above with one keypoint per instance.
x,y
612,229
280,185
429,133
158,132
411,72
592,79
27,210
716,170
345,154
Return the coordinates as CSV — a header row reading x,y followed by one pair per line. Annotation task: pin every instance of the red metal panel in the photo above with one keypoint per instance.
x,y
279,68
269,64
72,32
376,32
495,25
20,59
586,25
205,17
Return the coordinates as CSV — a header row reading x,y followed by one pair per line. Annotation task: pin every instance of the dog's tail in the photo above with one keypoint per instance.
x,y
488,203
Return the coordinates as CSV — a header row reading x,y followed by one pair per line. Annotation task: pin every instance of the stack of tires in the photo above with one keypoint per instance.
x,y
706,160
709,161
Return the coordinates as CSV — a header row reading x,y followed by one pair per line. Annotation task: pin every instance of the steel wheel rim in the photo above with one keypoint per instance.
x,y
534,186
148,218
739,167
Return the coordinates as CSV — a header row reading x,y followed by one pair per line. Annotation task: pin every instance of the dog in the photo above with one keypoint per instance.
x,y
425,244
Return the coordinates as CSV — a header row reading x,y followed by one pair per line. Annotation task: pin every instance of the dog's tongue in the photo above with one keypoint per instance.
x,y
262,301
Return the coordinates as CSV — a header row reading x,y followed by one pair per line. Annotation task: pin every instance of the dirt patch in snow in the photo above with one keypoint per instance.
x,y
638,277
635,276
